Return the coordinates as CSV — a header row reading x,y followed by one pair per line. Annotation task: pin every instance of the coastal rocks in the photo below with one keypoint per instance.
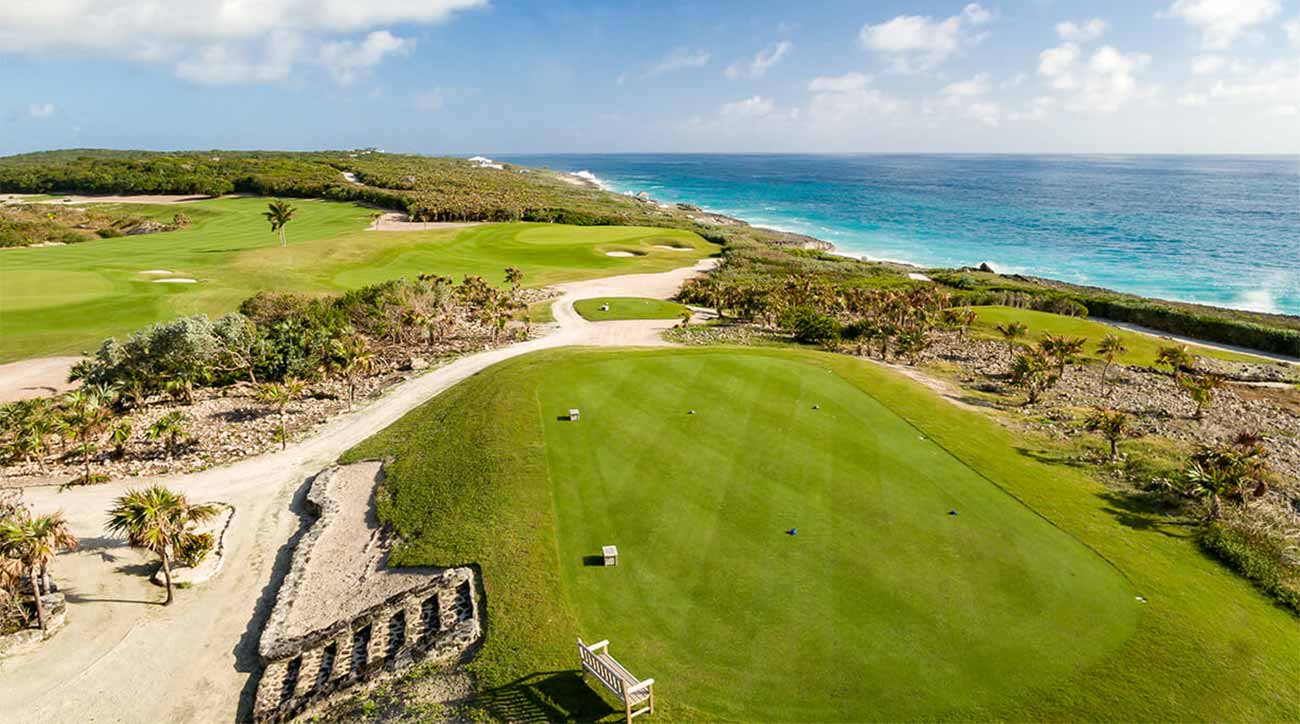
x,y
986,267
416,364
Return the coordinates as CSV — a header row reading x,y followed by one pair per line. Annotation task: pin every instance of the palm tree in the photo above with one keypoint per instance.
x,y
1032,371
169,428
1064,350
34,541
1012,331
1236,471
280,394
1176,358
85,416
1110,347
158,520
1112,424
685,316
1201,389
120,435
279,213
353,357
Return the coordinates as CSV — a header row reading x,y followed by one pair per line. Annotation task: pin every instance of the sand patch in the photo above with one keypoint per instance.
x,y
915,276
137,199
176,280
621,254
156,272
41,377
394,221
667,247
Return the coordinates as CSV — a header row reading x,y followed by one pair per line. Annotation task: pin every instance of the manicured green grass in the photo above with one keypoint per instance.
x,y
56,300
883,607
1142,348
627,308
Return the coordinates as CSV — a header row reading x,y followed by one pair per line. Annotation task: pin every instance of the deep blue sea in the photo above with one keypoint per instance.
x,y
1222,230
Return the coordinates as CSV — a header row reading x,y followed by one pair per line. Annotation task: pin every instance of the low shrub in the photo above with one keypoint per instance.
x,y
810,326
1257,557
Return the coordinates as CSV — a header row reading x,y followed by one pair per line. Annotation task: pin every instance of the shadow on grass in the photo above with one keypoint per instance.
x,y
593,561
1145,513
545,697
1054,458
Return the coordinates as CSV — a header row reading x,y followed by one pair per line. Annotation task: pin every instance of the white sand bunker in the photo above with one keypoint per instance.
x,y
917,276
176,280
156,272
621,254
667,247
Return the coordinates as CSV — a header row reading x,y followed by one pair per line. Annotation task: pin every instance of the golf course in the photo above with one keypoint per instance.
x,y
805,536
67,299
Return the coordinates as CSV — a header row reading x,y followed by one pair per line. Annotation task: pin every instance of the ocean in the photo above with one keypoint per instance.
x,y
1222,230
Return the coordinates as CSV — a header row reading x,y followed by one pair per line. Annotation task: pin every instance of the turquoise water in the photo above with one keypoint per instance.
x,y
1221,230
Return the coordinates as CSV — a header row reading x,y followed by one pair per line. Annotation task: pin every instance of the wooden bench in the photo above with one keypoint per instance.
x,y
638,696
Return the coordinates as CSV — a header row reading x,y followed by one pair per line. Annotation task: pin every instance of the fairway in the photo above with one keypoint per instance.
x,y
1142,348
627,308
67,299
881,594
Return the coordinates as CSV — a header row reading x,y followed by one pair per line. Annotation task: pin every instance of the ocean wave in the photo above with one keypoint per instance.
x,y
586,175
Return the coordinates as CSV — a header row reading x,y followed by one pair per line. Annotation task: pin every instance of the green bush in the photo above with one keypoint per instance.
x,y
1257,558
194,548
810,326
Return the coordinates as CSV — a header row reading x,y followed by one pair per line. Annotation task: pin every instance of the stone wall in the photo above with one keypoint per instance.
x,y
438,621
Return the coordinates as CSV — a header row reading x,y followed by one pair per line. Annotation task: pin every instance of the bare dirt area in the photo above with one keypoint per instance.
x,y
159,199
32,378
393,221
206,642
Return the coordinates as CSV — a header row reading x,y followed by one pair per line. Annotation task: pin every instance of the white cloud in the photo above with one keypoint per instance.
x,y
41,110
1221,21
1014,81
1111,80
762,62
215,41
1193,99
429,100
345,59
1292,28
1084,32
1057,64
915,43
232,63
1276,85
752,107
848,98
679,59
1207,64
976,86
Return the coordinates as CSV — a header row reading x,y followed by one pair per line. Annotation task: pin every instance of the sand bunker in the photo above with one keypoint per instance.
x,y
156,272
666,247
916,276
394,221
621,254
176,280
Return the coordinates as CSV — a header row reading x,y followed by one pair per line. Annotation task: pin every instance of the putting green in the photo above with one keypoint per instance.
x,y
67,299
627,308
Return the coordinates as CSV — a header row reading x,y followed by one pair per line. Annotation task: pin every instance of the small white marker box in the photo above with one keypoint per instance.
x,y
573,415
611,555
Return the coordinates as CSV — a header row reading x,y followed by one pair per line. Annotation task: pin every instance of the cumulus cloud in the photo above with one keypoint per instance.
x,y
848,98
1207,64
218,41
762,62
1111,79
1057,65
1084,32
679,59
916,43
976,86
1292,28
1221,22
752,107
345,59
41,110
1193,99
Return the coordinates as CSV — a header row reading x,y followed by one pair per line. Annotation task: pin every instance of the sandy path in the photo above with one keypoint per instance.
x,y
124,658
1199,342
39,377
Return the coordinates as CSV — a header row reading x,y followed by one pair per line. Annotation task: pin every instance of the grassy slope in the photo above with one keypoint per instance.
x,y
67,299
627,308
1142,348
464,454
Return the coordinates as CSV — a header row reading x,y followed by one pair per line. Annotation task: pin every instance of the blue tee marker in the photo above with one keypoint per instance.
x,y
952,512
792,531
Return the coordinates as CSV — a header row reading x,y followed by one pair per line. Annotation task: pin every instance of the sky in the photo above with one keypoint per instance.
x,y
502,76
